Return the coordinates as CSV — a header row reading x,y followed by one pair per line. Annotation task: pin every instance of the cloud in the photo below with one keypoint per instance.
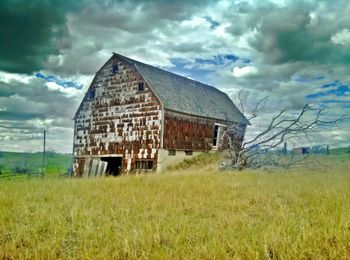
x,y
334,96
296,31
30,31
35,96
148,31
342,37
287,50
338,91
28,108
244,71
213,24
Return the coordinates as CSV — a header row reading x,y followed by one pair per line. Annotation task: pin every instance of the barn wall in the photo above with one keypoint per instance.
x,y
115,118
187,132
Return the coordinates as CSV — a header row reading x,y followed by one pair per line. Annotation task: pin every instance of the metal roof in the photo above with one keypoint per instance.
x,y
187,96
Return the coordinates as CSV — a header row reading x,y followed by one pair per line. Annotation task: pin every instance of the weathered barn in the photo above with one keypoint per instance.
x,y
138,117
301,150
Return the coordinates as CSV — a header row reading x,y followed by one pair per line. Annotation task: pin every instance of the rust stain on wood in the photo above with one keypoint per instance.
x,y
117,118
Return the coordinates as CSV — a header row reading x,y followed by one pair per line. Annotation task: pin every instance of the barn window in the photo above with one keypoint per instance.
x,y
172,152
91,94
189,153
144,165
115,68
141,86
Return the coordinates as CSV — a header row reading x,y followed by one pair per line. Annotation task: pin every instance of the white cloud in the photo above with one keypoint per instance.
x,y
244,71
313,19
194,23
67,91
341,37
28,108
8,77
220,31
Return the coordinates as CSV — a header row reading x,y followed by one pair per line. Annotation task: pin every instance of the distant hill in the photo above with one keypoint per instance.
x,y
340,150
13,162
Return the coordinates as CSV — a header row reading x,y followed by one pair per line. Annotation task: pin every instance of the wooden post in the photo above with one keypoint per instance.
x,y
44,153
285,148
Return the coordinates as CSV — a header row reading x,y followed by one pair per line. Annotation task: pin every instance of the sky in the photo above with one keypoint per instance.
x,y
295,52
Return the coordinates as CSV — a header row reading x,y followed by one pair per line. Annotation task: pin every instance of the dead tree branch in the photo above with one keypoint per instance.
x,y
255,153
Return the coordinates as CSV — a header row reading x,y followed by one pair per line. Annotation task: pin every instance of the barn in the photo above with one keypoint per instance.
x,y
136,117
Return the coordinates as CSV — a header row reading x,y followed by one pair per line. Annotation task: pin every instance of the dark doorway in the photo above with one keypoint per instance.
x,y
114,165
215,139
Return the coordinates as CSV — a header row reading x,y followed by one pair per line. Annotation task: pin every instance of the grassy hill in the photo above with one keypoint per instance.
x,y
343,150
192,211
11,162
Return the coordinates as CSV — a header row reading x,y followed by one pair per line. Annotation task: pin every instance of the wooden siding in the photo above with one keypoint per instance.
x,y
117,118
187,132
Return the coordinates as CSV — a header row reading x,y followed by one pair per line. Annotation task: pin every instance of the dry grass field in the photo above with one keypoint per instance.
x,y
189,212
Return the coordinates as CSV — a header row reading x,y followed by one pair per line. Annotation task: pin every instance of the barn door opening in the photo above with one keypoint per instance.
x,y
114,165
218,132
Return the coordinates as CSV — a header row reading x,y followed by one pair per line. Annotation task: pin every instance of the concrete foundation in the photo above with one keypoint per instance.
x,y
165,160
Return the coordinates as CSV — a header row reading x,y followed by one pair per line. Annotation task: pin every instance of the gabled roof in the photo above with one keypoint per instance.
x,y
187,96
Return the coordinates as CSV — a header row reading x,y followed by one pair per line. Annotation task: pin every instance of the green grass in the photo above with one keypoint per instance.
x,y
55,163
337,151
189,212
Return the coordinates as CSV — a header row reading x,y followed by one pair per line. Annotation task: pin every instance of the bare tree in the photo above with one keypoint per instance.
x,y
256,153
22,164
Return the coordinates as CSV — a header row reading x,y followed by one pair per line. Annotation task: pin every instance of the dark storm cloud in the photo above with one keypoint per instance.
x,y
30,31
128,27
33,31
137,16
19,116
294,39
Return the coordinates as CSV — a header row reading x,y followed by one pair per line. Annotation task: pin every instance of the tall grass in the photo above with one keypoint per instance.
x,y
190,212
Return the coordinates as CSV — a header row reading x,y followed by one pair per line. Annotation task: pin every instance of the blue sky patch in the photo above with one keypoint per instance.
x,y
333,101
213,24
334,84
306,79
335,88
58,81
246,61
181,69
219,59
319,77
200,69
343,104
197,69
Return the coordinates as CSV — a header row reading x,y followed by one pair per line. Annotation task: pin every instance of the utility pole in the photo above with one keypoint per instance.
x,y
44,153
